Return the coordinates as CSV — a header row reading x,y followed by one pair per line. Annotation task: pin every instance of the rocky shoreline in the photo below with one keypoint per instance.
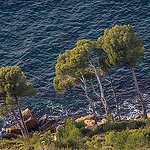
x,y
43,125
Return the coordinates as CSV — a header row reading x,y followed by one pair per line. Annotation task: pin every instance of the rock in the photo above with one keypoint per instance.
x,y
48,124
11,135
15,130
61,122
31,123
42,120
103,117
89,117
51,128
89,122
29,119
137,116
103,121
27,114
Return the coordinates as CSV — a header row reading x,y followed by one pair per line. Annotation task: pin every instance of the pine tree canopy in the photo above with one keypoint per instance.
x,y
122,45
13,85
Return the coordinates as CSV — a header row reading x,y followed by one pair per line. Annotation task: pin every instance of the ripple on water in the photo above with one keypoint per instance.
x,y
34,33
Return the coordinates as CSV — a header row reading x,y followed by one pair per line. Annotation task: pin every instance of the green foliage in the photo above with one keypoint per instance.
x,y
13,85
128,139
110,118
93,145
122,45
68,135
110,138
136,124
118,126
47,138
147,126
10,144
80,125
73,139
35,138
70,65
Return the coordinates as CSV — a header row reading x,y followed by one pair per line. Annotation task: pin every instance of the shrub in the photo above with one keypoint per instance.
x,y
35,138
68,135
110,138
128,139
80,124
47,139
135,140
73,139
121,138
147,126
117,126
132,124
110,118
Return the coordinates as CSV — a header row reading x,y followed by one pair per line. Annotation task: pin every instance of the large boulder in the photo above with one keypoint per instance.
x,y
103,121
31,123
89,117
89,122
27,114
51,128
29,119
48,124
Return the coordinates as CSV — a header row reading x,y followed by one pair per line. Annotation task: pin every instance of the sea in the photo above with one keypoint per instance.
x,y
34,32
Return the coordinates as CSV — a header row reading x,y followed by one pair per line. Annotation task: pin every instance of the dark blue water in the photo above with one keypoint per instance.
x,y
34,32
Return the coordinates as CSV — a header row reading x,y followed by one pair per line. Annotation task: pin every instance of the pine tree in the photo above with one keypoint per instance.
x,y
13,87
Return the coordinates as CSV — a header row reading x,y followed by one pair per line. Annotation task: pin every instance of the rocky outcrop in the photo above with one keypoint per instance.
x,y
89,117
90,122
32,124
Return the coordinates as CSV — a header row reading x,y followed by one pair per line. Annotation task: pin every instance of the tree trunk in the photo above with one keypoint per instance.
x,y
101,90
92,105
117,107
18,122
97,93
22,119
138,91
86,94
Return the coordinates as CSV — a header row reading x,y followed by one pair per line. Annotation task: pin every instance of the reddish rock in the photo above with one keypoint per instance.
x,y
15,130
48,124
51,128
11,135
29,119
89,117
31,123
